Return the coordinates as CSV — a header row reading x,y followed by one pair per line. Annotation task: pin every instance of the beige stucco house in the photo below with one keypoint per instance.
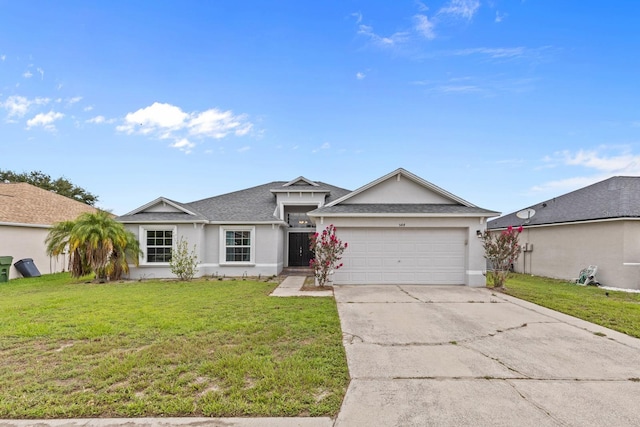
x,y
400,229
595,225
27,213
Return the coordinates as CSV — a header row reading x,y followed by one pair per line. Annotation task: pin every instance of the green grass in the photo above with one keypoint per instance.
x,y
160,348
619,310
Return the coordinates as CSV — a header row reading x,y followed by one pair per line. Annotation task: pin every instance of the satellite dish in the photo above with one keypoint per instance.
x,y
526,213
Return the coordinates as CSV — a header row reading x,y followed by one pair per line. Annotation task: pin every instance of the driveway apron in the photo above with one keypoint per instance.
x,y
460,356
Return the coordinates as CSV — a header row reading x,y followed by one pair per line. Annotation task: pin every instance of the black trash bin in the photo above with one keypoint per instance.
x,y
27,268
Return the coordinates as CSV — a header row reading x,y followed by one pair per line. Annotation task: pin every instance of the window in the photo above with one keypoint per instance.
x,y
156,243
237,244
299,220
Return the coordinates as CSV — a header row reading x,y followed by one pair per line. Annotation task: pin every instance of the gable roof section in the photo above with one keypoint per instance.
x,y
23,203
301,180
616,197
406,174
447,203
251,205
163,210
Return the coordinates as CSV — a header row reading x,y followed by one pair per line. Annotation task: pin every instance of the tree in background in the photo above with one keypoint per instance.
x,y
96,243
328,251
502,250
60,186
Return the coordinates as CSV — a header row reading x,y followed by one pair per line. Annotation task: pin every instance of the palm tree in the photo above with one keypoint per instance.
x,y
97,243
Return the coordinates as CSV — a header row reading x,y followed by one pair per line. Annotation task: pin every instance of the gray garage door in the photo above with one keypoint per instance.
x,y
434,256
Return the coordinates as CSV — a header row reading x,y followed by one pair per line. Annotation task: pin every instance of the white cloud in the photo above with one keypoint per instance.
x,y
88,108
500,17
41,71
424,27
74,100
393,40
100,120
244,149
360,75
217,124
45,120
183,145
17,106
3,57
27,74
157,117
358,17
600,165
499,52
166,121
461,8
324,146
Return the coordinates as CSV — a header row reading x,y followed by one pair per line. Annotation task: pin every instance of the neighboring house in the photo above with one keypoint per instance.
x,y
27,213
400,229
595,225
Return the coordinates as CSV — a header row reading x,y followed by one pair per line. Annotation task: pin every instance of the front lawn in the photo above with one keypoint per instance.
x,y
72,349
613,309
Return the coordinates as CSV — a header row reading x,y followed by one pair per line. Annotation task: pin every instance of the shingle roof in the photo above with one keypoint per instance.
x,y
616,197
22,203
402,208
255,204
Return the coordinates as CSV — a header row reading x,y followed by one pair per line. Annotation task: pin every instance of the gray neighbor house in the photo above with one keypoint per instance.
x,y
595,225
400,229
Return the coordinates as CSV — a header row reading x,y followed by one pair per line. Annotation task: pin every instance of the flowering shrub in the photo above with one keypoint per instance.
x,y
502,250
328,250
184,263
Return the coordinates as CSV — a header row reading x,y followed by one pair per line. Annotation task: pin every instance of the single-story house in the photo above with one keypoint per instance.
x,y
595,225
400,229
27,213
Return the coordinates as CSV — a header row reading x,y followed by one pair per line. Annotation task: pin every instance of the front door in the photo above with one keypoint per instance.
x,y
299,252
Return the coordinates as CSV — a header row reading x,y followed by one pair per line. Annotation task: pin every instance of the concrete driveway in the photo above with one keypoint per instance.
x,y
459,356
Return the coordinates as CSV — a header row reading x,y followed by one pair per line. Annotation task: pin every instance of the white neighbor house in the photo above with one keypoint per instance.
x,y
27,214
400,229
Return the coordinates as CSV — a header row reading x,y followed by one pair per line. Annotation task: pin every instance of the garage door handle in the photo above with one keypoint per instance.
x,y
300,250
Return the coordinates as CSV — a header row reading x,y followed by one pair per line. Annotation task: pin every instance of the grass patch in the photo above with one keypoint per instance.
x,y
616,310
159,348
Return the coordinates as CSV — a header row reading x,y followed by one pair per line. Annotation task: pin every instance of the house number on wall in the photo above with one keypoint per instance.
x,y
401,224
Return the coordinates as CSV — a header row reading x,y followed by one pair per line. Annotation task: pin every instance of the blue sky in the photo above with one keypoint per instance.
x,y
503,103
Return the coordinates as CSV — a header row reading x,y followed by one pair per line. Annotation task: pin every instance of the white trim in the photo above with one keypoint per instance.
x,y
410,176
298,179
588,221
158,201
142,238
475,273
20,224
223,245
284,204
399,215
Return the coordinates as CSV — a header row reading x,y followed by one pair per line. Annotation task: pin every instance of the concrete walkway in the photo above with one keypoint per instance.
x,y
459,356
290,287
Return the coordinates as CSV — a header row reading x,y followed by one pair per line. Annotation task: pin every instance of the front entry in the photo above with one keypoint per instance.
x,y
299,252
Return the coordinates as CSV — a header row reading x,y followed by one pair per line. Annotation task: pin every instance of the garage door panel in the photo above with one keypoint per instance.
x,y
403,256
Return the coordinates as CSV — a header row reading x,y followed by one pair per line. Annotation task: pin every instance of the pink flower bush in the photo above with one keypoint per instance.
x,y
328,251
502,250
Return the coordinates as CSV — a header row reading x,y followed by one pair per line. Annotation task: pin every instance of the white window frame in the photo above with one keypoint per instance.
x,y
223,244
143,241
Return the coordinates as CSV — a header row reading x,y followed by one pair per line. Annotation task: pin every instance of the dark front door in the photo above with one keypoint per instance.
x,y
299,252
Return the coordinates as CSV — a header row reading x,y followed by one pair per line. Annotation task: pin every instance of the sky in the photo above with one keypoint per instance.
x,y
504,103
